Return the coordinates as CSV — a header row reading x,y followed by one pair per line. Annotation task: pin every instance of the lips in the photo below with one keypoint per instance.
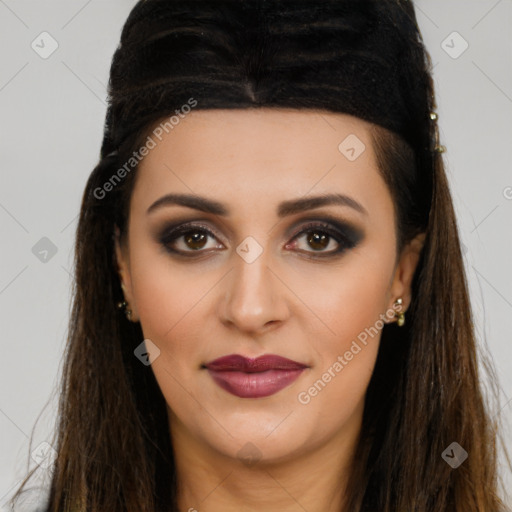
x,y
254,378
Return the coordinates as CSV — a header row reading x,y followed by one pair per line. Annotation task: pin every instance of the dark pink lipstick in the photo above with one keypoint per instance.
x,y
254,378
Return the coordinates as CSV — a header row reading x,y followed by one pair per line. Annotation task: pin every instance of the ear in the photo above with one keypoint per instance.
x,y
404,272
123,269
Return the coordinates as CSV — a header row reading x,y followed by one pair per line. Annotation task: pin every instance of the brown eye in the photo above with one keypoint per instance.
x,y
315,239
188,239
324,239
195,240
318,241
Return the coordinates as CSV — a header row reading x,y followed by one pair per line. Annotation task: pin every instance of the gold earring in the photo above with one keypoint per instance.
x,y
401,315
438,148
124,306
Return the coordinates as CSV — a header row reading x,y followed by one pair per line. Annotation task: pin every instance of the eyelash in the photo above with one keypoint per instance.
x,y
345,241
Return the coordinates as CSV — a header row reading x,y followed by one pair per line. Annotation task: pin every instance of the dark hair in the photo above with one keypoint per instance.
x,y
364,58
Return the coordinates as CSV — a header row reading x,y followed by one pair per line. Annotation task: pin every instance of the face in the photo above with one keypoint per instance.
x,y
263,232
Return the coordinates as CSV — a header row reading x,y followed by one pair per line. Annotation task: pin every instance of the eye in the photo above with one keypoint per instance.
x,y
188,239
320,237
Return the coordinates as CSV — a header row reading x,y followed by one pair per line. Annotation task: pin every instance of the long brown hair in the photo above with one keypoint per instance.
x,y
365,58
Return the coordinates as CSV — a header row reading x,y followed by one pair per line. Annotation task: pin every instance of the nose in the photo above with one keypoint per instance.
x,y
254,297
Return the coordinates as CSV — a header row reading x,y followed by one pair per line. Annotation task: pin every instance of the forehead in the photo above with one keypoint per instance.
x,y
262,153
287,128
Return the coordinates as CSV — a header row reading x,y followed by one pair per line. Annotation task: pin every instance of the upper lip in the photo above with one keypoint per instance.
x,y
236,362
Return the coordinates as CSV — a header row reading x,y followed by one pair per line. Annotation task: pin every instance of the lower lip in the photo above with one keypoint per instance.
x,y
255,385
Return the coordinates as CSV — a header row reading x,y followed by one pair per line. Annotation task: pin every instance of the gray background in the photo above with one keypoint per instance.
x,y
52,114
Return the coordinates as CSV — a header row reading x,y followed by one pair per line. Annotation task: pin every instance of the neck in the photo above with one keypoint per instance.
x,y
213,482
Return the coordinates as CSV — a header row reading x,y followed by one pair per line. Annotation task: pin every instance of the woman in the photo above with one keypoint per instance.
x,y
270,309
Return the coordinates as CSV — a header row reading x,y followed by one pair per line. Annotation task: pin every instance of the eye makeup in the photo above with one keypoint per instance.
x,y
343,234
194,236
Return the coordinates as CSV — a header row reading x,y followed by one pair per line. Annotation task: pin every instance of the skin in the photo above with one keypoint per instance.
x,y
285,302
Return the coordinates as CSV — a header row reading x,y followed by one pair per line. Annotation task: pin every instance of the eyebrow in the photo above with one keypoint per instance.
x,y
285,208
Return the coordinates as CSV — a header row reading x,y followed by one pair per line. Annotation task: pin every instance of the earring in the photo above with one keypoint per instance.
x,y
438,148
124,306
401,315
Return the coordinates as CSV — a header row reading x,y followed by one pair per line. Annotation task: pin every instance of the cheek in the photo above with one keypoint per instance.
x,y
171,305
352,311
351,300
346,298
170,302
